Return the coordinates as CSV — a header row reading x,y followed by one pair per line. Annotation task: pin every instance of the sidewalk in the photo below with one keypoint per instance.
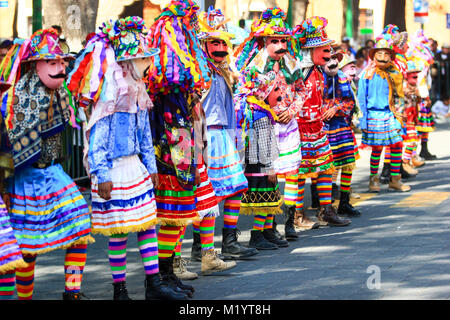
x,y
398,249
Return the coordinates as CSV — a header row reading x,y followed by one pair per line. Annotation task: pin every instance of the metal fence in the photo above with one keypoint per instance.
x,y
73,146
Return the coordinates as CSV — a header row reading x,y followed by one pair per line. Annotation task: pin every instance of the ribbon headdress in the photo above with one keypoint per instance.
x,y
181,64
43,45
271,23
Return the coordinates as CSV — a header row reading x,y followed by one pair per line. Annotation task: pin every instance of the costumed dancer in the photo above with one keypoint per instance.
x,y
256,120
411,113
47,211
380,91
400,47
271,47
348,66
317,156
10,253
224,167
120,154
339,104
419,49
176,83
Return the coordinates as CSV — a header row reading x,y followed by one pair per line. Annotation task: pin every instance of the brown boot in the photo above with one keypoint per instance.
x,y
179,268
212,263
409,169
374,184
395,184
327,216
416,162
302,222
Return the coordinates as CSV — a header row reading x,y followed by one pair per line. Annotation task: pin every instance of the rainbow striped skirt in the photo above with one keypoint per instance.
x,y
132,206
383,129
224,167
425,120
342,142
10,254
206,200
290,155
262,196
317,156
48,211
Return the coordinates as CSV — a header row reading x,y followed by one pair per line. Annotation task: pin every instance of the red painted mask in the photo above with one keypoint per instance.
x,y
412,78
217,50
51,72
276,47
321,55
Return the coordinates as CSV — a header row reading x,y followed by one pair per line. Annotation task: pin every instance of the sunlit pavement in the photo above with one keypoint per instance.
x,y
398,249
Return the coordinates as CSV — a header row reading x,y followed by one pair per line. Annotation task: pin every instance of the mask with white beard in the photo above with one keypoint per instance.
x,y
332,66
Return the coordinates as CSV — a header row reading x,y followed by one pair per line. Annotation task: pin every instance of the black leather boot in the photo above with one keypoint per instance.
x,y
327,215
385,173
269,234
314,197
424,153
157,289
345,208
289,228
196,251
258,241
169,278
335,192
231,248
277,233
120,291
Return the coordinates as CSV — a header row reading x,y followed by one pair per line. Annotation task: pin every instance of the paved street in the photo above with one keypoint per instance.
x,y
398,249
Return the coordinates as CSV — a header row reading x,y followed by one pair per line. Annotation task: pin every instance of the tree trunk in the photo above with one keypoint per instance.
x,y
395,13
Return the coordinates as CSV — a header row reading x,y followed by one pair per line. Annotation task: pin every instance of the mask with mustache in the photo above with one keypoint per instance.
x,y
331,68
276,47
321,55
220,54
217,50
52,73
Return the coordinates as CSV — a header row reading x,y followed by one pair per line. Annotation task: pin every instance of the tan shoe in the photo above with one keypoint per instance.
x,y
302,222
374,184
212,263
409,168
395,184
179,268
416,162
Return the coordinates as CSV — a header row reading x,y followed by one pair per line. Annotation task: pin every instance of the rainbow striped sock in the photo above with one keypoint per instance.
x,y
180,243
396,159
423,136
74,263
408,152
301,195
148,248
291,190
258,222
346,181
268,224
324,182
231,209
25,278
117,254
335,175
207,232
387,154
168,237
7,285
375,160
